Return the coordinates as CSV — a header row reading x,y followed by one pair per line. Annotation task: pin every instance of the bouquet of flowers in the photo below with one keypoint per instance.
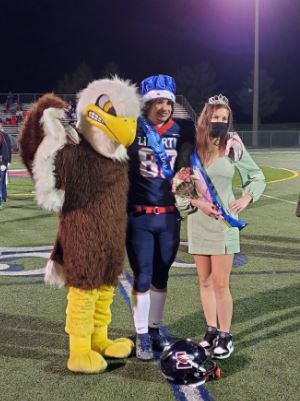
x,y
184,184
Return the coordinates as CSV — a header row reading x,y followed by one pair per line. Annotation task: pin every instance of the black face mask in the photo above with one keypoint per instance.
x,y
218,129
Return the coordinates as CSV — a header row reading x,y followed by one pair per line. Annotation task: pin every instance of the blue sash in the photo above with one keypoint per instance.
x,y
158,148
196,164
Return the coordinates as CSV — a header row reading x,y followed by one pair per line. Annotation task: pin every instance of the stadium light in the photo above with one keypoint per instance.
x,y
256,78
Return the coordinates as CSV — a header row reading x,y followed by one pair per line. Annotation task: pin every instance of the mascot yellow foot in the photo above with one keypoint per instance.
x,y
88,317
80,326
119,348
82,358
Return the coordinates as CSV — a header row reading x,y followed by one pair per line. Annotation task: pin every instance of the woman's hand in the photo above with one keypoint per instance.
x,y
208,208
240,204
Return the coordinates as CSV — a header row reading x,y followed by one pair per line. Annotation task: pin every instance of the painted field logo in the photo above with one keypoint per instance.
x,y
14,262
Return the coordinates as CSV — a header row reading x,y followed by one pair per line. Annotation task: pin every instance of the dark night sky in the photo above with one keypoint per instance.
x,y
41,40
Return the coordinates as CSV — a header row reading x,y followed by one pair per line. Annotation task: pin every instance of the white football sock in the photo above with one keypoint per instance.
x,y
140,304
157,304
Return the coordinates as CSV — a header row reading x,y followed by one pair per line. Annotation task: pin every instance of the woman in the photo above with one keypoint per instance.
x,y
212,242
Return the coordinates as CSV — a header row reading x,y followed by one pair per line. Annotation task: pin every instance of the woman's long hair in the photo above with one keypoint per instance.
x,y
203,138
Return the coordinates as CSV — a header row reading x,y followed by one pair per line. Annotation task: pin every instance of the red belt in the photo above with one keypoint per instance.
x,y
154,209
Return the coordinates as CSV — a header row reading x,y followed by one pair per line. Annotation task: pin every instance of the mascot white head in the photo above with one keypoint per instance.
x,y
107,112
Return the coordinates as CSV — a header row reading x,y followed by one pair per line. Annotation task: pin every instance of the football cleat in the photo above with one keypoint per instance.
x,y
224,346
159,342
143,347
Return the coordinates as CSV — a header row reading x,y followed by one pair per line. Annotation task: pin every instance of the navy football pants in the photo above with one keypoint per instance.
x,y
3,185
152,243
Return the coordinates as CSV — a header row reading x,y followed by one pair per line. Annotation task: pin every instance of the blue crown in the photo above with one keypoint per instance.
x,y
158,86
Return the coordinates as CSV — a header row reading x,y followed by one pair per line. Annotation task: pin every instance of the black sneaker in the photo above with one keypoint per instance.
x,y
224,347
210,339
159,342
143,347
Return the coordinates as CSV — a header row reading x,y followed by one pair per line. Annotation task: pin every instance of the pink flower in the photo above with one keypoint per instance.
x,y
184,174
183,183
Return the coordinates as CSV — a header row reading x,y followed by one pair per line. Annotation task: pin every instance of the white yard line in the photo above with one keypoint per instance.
x,y
280,199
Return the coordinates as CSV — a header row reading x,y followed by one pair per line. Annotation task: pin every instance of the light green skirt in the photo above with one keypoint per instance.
x,y
207,236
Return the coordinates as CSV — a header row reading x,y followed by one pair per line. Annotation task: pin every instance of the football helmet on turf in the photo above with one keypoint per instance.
x,y
185,362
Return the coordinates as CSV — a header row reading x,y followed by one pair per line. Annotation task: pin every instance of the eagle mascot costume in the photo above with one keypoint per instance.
x,y
82,175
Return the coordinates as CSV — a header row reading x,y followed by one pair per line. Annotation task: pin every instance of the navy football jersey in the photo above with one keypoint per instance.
x,y
148,185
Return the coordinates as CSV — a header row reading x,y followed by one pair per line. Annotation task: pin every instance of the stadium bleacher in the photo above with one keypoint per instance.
x,y
14,107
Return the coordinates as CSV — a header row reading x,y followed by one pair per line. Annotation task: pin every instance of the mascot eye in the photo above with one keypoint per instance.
x,y
106,105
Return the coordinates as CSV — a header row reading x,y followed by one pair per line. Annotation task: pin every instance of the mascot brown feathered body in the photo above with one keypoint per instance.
x,y
94,208
84,179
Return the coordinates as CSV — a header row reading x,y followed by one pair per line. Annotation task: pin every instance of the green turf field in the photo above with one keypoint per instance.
x,y
266,324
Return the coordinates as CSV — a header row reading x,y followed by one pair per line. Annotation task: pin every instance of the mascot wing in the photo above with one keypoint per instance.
x,y
42,136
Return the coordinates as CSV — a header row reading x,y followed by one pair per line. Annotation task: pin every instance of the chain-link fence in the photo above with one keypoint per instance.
x,y
273,138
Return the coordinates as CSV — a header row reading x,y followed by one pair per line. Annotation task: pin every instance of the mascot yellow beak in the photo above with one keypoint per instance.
x,y
120,129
